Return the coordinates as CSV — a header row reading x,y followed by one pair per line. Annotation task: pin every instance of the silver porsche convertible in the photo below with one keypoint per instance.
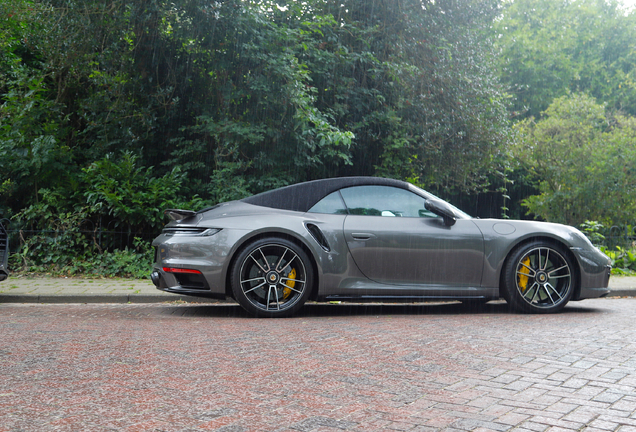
x,y
370,239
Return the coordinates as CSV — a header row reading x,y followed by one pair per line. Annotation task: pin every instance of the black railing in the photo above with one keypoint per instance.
x,y
623,236
4,252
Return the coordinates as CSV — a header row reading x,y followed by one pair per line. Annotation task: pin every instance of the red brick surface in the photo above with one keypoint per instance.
x,y
165,367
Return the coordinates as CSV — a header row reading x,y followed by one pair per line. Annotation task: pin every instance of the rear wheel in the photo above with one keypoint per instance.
x,y
272,277
539,278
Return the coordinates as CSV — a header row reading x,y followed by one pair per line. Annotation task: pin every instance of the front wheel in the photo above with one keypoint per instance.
x,y
539,278
272,277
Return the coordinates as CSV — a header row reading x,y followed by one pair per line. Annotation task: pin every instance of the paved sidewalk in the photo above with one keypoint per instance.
x,y
75,290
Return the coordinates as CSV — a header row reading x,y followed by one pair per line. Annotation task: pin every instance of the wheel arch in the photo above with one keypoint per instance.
x,y
551,240
245,242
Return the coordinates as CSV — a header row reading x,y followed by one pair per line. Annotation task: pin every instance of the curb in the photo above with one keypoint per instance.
x,y
150,298
622,293
100,298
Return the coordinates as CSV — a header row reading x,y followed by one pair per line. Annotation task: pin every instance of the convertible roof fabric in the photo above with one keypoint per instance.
x,y
303,196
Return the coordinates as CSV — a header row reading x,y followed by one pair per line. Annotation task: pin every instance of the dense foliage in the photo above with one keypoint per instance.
x,y
584,160
242,96
552,47
115,110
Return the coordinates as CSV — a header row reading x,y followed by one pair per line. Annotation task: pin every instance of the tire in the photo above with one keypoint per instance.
x,y
272,277
539,277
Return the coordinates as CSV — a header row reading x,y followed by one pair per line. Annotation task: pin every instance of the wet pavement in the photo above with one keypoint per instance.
x,y
198,367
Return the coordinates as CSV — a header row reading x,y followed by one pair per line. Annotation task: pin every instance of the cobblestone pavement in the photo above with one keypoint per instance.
x,y
167,367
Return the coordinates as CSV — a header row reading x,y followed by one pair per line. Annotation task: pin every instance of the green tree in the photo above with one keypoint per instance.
x,y
242,96
584,161
31,121
414,81
127,194
549,48
254,110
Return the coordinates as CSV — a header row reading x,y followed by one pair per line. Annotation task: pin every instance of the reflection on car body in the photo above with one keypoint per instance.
x,y
370,239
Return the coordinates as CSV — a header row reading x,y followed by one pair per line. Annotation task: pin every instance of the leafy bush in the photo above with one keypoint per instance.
x,y
67,247
45,258
591,230
582,158
623,260
131,195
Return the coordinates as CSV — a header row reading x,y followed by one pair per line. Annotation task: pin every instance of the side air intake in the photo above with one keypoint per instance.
x,y
317,234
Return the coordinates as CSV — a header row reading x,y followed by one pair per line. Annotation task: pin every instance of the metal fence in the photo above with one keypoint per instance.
x,y
102,238
623,236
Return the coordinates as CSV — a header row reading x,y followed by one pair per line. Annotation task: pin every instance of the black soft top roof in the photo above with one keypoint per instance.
x,y
302,196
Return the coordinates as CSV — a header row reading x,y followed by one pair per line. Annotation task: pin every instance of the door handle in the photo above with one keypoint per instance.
x,y
362,236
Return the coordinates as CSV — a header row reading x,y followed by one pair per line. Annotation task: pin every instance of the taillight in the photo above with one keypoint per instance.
x,y
180,270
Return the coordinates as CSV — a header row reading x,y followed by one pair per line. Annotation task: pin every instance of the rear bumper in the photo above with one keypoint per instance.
x,y
195,293
169,282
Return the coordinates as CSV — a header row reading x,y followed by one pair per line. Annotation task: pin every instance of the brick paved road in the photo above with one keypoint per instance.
x,y
417,368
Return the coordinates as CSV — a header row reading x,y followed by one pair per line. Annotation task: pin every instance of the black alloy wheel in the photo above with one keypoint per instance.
x,y
539,278
272,277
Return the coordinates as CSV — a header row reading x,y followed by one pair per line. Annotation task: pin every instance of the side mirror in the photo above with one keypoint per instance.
x,y
440,208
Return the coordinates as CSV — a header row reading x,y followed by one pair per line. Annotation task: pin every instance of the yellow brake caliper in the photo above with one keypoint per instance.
x,y
523,278
290,283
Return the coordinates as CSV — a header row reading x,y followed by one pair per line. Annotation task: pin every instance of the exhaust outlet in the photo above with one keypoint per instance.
x,y
155,277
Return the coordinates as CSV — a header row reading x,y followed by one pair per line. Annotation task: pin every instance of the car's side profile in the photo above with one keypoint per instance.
x,y
370,239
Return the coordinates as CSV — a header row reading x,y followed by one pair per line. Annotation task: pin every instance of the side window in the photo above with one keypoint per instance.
x,y
384,201
331,204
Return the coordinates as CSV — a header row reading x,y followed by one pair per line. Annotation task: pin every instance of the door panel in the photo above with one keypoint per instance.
x,y
416,251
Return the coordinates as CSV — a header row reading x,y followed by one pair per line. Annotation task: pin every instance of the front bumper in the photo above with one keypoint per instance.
x,y
588,293
595,273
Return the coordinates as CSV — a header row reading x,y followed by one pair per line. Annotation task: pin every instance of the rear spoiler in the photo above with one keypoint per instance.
x,y
178,214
